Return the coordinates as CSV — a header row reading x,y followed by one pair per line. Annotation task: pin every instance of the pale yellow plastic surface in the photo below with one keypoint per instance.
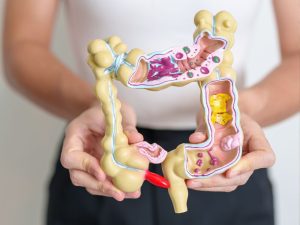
x,y
100,58
125,179
173,166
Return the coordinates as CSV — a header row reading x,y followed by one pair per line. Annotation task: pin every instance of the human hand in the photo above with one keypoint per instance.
x,y
82,151
257,153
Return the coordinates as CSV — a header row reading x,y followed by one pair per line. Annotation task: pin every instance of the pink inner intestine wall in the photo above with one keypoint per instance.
x,y
179,64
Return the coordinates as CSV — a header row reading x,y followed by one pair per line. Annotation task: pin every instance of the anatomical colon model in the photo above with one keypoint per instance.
x,y
209,62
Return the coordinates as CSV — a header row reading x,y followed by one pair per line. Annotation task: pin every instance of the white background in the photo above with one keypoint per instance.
x,y
29,138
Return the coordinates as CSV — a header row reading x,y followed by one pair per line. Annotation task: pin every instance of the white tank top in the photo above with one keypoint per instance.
x,y
155,25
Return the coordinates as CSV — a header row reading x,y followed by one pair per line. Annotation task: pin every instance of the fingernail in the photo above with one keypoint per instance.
x,y
136,195
131,130
198,133
193,184
118,196
197,137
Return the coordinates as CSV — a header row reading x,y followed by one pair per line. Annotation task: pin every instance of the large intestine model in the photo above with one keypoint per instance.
x,y
209,62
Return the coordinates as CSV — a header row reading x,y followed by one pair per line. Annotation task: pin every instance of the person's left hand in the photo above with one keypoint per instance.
x,y
257,153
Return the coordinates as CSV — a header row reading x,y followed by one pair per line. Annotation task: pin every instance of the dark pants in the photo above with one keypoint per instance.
x,y
251,204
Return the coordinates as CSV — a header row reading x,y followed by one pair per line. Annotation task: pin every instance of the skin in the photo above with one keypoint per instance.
x,y
129,155
81,151
27,35
257,153
264,94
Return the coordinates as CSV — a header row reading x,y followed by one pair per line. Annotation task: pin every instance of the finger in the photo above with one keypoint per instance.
x,y
197,137
82,179
90,120
96,192
218,189
133,135
219,181
260,154
129,124
82,161
133,195
252,161
73,155
200,121
100,193
253,133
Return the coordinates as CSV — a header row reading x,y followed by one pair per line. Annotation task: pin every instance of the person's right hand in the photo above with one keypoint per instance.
x,y
82,151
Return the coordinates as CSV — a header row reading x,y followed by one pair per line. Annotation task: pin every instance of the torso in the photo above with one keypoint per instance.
x,y
155,25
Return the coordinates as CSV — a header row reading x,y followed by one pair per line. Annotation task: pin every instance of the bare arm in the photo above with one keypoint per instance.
x,y
30,66
278,95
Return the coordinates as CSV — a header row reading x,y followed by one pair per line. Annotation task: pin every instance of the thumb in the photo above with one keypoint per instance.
x,y
129,124
197,137
199,134
133,135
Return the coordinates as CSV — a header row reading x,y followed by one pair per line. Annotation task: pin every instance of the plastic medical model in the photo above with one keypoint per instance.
x,y
207,61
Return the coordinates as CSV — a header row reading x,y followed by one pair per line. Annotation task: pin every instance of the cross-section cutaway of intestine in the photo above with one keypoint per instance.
x,y
179,64
209,63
